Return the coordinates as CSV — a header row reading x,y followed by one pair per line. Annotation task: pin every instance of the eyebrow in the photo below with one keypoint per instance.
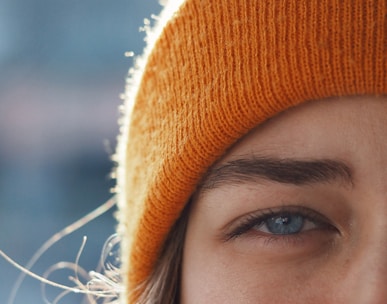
x,y
281,170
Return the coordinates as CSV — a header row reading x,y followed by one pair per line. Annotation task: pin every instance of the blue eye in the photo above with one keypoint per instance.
x,y
288,220
283,224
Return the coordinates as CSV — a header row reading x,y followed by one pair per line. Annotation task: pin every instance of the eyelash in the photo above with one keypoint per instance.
x,y
247,223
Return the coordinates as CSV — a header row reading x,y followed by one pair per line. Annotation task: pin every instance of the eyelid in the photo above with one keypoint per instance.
x,y
246,222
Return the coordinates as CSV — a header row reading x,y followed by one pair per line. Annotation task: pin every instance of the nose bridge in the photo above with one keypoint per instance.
x,y
368,275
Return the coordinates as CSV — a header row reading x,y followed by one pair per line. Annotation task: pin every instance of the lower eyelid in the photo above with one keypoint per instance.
x,y
272,246
287,240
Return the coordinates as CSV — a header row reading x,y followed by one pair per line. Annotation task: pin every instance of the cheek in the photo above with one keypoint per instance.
x,y
209,276
216,274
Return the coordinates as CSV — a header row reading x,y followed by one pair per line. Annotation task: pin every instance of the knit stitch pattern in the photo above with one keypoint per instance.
x,y
218,69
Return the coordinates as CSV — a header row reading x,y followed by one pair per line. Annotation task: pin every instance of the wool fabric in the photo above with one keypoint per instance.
x,y
213,71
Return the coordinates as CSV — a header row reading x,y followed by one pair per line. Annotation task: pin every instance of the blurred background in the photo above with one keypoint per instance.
x,y
62,69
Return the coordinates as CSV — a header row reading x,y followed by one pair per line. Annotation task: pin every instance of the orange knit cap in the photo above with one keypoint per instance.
x,y
214,71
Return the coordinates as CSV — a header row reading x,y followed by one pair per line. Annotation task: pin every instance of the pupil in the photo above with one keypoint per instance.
x,y
285,224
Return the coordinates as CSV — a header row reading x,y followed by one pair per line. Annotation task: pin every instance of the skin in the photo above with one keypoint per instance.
x,y
340,254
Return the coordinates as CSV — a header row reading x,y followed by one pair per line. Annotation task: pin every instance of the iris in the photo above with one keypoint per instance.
x,y
285,224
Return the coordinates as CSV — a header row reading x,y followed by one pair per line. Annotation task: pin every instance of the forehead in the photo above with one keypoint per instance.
x,y
317,129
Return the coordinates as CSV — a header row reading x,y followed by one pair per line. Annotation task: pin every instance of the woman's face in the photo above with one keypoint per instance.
x,y
295,212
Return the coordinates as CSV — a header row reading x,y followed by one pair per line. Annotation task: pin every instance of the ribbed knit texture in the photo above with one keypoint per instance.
x,y
218,69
